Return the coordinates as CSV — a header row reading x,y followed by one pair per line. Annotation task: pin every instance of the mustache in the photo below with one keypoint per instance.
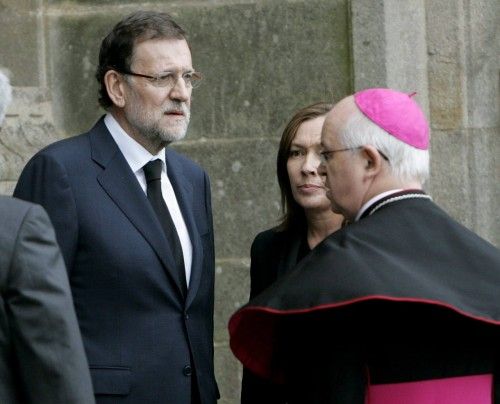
x,y
174,106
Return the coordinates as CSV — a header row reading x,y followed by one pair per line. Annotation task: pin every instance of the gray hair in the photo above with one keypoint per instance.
x,y
5,95
407,162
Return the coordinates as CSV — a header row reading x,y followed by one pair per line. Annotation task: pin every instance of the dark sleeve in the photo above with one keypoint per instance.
x,y
41,317
44,181
208,207
264,256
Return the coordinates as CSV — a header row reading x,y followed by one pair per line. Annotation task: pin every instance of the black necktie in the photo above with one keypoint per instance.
x,y
152,171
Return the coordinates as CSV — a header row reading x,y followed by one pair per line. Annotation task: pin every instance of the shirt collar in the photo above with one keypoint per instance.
x,y
135,154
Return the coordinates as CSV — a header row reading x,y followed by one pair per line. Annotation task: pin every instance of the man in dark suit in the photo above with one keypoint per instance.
x,y
134,222
41,353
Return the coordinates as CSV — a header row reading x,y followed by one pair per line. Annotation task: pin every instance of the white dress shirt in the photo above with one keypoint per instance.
x,y
137,156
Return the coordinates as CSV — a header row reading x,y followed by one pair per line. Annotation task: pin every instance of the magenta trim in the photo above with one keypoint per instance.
x,y
477,389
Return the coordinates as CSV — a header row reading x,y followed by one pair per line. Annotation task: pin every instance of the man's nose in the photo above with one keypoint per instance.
x,y
180,91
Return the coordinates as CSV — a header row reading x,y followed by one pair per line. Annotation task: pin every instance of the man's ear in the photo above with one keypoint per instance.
x,y
115,87
372,160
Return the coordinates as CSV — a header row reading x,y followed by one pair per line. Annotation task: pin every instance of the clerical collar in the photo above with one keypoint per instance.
x,y
371,201
385,198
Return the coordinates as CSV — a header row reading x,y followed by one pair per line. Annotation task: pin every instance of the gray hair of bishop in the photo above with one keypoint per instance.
x,y
407,163
5,95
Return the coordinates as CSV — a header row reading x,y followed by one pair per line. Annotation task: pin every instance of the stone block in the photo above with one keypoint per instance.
x,y
484,163
7,187
102,2
260,61
245,195
232,288
228,372
368,44
444,28
406,49
27,128
450,185
389,47
73,43
465,178
446,95
483,63
20,29
264,59
18,5
445,47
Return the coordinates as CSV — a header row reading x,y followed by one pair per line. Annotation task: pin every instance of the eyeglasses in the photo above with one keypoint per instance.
x,y
326,155
169,79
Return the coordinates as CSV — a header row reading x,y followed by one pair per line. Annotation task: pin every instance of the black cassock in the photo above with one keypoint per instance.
x,y
402,306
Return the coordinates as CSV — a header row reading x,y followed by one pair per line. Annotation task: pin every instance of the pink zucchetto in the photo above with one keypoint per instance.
x,y
396,113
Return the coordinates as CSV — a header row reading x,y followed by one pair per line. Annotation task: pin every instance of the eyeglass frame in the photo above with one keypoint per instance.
x,y
154,79
325,155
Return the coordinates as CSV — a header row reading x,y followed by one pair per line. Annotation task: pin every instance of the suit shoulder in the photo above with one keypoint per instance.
x,y
71,148
69,153
66,147
14,207
15,212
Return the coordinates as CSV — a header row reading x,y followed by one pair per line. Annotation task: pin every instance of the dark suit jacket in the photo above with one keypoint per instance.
x,y
273,253
41,353
143,340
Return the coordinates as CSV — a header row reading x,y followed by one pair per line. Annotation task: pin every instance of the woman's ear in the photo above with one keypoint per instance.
x,y
115,87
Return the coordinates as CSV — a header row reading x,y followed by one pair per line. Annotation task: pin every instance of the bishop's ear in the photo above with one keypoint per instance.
x,y
115,83
372,159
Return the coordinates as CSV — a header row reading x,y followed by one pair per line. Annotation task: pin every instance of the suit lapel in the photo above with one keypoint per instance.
x,y
120,183
184,193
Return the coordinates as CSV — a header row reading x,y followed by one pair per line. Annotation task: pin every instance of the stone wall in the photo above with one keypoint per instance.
x,y
263,59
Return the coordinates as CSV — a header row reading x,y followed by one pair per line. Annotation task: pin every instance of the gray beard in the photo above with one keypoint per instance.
x,y
157,134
